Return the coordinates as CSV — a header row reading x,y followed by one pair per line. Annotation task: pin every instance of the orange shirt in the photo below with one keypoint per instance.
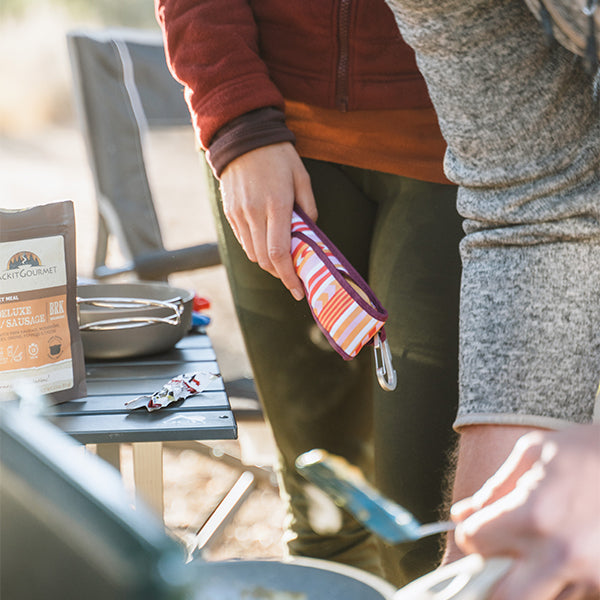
x,y
404,142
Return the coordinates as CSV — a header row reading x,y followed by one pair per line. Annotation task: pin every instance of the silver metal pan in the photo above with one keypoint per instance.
x,y
123,320
293,579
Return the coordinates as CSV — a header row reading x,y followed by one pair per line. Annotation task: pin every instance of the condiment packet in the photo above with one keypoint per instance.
x,y
178,388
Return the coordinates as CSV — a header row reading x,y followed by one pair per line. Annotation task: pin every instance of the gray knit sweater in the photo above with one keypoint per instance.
x,y
523,134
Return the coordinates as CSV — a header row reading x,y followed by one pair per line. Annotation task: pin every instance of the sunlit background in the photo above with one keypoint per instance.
x,y
42,155
43,159
33,57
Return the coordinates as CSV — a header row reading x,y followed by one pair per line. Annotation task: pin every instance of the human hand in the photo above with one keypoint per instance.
x,y
259,189
542,507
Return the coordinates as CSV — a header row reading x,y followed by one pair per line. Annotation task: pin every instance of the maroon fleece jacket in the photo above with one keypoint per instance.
x,y
237,56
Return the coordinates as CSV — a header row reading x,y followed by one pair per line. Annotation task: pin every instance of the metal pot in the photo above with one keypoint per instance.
x,y
469,578
295,579
311,579
123,320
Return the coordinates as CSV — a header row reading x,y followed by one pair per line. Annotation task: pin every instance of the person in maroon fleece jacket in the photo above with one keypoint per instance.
x,y
321,103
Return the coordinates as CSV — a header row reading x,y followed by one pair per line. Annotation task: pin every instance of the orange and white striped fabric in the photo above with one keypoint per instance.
x,y
343,305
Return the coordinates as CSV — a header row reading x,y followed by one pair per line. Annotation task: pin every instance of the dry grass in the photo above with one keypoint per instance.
x,y
194,486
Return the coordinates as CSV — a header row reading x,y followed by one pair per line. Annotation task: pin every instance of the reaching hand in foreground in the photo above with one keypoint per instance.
x,y
542,507
259,189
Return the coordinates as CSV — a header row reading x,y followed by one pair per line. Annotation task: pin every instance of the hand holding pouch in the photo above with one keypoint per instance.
x,y
344,307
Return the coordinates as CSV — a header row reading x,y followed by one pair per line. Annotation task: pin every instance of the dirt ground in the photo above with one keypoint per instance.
x,y
50,164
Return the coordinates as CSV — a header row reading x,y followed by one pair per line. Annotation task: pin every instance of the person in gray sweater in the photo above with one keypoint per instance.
x,y
522,126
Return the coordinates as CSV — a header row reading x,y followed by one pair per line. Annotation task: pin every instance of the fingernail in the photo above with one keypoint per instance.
x,y
459,507
297,293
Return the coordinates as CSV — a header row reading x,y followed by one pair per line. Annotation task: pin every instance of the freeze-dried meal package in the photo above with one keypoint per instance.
x,y
40,343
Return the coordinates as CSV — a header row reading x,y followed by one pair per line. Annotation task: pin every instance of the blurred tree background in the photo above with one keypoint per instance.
x,y
34,63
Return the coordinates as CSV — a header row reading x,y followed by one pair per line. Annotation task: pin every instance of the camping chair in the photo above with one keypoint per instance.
x,y
123,89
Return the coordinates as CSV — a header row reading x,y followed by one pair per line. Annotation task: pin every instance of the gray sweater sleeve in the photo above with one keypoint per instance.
x,y
523,134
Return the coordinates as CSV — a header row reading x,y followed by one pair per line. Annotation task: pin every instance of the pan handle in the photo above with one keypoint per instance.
x,y
175,305
469,578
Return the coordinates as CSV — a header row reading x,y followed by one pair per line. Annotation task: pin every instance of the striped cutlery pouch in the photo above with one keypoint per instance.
x,y
343,305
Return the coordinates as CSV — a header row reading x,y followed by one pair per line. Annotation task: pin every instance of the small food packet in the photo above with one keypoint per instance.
x,y
178,388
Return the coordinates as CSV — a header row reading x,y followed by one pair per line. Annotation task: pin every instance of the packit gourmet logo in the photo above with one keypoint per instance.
x,y
23,259
26,265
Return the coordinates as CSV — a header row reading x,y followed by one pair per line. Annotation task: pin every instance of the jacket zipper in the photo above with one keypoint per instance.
x,y
342,76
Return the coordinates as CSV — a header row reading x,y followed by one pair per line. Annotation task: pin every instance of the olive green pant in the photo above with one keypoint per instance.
x,y
402,235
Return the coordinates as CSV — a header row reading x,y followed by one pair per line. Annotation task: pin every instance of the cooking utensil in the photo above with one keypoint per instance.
x,y
470,578
132,319
349,489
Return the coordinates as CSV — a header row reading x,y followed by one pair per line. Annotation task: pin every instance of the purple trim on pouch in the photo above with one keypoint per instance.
x,y
377,311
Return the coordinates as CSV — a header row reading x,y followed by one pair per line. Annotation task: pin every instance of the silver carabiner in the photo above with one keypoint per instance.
x,y
590,8
386,376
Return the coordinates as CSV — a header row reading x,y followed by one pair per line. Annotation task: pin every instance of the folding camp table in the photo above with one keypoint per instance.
x,y
103,419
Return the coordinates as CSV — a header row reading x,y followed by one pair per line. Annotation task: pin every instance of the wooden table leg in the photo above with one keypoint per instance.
x,y
148,474
111,453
